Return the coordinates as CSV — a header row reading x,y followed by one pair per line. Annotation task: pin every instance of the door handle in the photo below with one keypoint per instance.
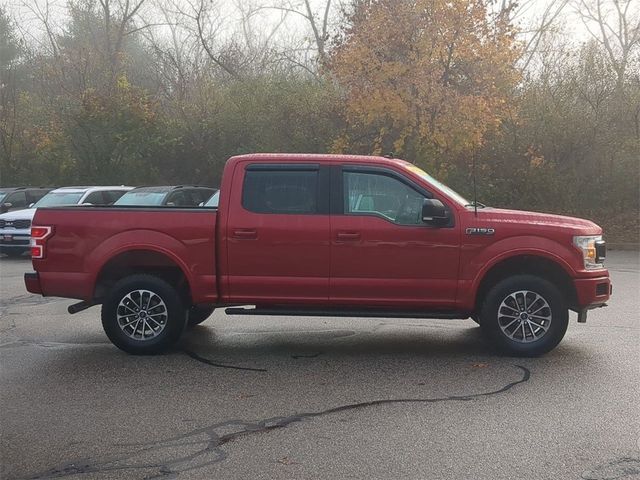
x,y
245,234
348,236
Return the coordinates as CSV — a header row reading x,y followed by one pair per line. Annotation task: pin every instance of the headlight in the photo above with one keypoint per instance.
x,y
592,247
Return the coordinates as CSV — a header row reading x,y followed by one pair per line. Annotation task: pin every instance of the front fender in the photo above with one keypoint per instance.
x,y
476,265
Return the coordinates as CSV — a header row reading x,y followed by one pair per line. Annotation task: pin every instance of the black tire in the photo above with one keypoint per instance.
x,y
507,291
198,314
171,324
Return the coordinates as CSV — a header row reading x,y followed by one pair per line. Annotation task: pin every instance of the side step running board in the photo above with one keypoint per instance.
x,y
292,312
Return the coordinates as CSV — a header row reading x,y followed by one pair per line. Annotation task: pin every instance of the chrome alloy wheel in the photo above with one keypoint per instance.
x,y
142,315
524,316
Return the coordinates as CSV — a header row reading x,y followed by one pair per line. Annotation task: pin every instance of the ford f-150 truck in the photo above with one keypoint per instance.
x,y
322,235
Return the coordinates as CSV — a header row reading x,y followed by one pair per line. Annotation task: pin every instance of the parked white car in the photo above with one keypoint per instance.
x,y
15,226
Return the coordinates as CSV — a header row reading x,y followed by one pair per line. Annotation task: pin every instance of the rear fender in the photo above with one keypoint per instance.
x,y
127,241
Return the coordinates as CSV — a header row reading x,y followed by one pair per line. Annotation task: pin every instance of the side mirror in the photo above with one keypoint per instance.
x,y
5,207
31,204
434,212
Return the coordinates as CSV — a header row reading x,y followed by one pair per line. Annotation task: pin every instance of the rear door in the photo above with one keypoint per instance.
x,y
382,253
278,242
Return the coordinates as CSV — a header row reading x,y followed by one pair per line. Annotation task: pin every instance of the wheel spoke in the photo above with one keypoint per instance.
x,y
128,308
154,321
533,334
538,325
129,323
510,308
510,323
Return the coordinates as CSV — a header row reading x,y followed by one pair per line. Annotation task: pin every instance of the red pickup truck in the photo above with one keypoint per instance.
x,y
314,235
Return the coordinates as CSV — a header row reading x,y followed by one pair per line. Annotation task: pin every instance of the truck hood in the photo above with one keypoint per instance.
x,y
26,214
578,225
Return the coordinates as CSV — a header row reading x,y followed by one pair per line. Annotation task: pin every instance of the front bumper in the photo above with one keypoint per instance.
x,y
12,238
592,292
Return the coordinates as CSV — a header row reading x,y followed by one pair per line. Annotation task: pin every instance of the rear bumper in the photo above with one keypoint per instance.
x,y
592,292
60,284
32,282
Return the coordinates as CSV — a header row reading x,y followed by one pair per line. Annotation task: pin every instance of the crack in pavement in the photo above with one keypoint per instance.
x,y
206,361
210,440
309,355
614,469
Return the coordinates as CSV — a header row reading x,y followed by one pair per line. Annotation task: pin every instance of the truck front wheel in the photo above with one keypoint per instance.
x,y
524,315
143,315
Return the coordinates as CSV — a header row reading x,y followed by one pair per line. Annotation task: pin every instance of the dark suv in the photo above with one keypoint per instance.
x,y
15,198
169,196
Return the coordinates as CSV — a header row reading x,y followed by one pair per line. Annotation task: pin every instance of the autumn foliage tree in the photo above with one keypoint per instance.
x,y
424,79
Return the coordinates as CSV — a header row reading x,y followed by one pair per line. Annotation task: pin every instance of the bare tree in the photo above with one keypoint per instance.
x,y
317,20
532,27
616,25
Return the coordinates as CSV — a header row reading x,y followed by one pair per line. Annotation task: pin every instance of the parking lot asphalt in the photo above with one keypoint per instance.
x,y
317,398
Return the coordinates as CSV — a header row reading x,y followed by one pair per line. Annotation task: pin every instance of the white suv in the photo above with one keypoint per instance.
x,y
15,226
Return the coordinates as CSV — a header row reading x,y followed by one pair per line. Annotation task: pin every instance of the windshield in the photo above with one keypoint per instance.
x,y
440,186
2,195
213,201
141,197
59,198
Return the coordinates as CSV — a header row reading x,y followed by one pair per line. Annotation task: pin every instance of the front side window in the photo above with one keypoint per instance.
x,y
281,191
17,200
382,195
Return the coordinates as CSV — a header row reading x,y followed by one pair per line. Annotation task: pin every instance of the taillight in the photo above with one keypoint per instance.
x,y
39,236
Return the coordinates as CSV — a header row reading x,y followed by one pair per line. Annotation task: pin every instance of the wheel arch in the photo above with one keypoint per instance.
x,y
526,263
147,260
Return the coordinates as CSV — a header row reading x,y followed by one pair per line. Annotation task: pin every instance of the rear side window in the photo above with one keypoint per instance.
x,y
34,195
180,198
110,196
201,195
281,191
94,198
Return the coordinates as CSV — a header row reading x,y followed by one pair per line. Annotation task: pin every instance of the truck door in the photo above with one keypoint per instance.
x,y
382,253
278,239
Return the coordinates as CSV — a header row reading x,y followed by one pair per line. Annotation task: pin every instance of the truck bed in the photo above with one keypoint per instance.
x,y
86,237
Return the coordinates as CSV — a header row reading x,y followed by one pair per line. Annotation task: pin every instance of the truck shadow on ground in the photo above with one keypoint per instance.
x,y
423,340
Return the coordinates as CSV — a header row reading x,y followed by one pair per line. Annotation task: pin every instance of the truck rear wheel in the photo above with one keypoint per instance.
x,y
525,315
143,315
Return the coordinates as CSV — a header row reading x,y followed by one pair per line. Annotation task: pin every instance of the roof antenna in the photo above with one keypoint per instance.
x,y
473,174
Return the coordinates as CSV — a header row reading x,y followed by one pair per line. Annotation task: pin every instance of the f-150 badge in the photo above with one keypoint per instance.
x,y
480,231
